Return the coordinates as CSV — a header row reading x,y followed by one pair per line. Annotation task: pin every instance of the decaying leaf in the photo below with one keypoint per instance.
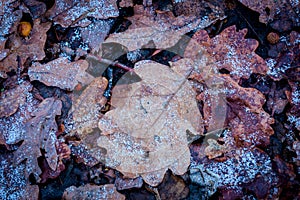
x,y
173,187
269,8
12,126
66,12
61,73
147,131
32,48
90,192
231,51
40,133
238,173
14,183
164,29
10,100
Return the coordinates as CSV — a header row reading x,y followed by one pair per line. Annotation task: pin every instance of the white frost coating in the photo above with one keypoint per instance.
x,y
12,127
13,184
240,170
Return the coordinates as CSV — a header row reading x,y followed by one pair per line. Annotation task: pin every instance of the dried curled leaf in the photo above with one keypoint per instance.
x,y
164,29
10,100
61,73
231,51
66,12
147,131
14,184
32,48
90,192
40,133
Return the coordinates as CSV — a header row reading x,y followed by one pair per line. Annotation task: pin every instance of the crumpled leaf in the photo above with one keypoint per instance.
x,y
14,184
246,169
231,51
247,122
61,73
164,29
147,131
12,127
285,63
10,100
90,192
173,187
63,152
40,133
269,8
66,12
32,48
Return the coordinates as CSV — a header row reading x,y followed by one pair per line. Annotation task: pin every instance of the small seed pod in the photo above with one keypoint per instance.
x,y
24,29
273,38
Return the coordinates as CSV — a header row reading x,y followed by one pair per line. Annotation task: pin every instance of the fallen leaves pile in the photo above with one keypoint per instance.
x,y
149,100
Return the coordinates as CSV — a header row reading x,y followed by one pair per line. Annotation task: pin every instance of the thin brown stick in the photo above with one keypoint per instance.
x,y
110,62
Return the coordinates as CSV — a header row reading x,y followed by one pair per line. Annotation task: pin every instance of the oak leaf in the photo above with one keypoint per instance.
x,y
231,51
32,48
164,29
66,12
61,73
40,133
146,133
90,192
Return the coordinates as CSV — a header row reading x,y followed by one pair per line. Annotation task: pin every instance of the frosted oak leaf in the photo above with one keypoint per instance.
x,y
146,133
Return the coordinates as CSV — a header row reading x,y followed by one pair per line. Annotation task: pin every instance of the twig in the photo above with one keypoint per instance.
x,y
110,62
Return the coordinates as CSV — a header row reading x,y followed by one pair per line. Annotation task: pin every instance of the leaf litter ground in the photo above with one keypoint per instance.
x,y
200,112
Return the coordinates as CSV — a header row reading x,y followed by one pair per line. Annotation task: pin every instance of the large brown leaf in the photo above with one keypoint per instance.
x,y
61,73
40,133
146,133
